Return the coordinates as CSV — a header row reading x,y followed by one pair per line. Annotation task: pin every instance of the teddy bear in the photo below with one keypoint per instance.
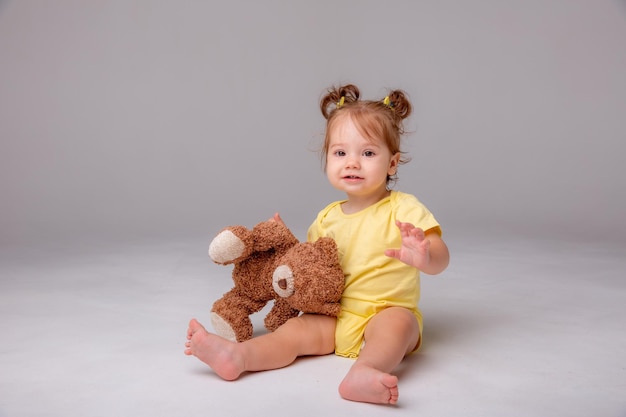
x,y
270,263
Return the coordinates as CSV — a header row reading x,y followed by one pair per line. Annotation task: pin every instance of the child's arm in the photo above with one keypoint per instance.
x,y
425,251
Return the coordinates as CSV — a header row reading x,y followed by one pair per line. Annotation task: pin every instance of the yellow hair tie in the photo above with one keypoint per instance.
x,y
342,100
387,102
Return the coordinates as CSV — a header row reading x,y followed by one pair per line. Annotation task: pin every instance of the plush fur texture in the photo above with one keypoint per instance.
x,y
271,264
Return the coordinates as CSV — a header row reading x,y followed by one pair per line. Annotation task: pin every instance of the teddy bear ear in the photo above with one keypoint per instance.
x,y
328,246
283,281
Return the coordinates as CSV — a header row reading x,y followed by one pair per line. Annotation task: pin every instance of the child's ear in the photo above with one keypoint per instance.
x,y
393,164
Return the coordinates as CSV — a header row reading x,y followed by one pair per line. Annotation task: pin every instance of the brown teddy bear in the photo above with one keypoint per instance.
x,y
271,264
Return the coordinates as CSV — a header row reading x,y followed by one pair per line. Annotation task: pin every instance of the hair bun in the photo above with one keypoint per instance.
x,y
400,104
344,94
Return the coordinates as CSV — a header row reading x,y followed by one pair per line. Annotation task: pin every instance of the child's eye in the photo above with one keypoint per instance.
x,y
369,153
340,153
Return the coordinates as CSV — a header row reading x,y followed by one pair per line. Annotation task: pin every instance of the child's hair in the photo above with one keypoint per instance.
x,y
375,120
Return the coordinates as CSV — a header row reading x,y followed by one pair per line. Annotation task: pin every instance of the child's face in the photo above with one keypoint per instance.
x,y
357,165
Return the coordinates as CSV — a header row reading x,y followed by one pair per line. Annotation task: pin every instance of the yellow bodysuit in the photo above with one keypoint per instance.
x,y
374,281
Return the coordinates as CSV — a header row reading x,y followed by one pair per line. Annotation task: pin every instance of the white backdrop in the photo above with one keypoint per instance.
x,y
131,119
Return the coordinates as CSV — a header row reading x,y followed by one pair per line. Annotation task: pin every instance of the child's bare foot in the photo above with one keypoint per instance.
x,y
366,384
220,354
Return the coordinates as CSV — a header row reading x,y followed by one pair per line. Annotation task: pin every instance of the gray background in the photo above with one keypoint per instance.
x,y
132,130
140,119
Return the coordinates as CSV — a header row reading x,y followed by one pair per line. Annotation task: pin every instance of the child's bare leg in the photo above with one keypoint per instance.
x,y
389,336
308,334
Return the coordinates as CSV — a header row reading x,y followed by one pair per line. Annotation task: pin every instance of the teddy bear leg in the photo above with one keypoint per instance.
x,y
222,327
226,247
230,315
232,325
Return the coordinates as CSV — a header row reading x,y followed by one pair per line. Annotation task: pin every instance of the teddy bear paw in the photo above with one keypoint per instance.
x,y
222,328
226,247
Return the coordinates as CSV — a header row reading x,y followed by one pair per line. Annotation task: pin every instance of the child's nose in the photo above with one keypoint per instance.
x,y
352,162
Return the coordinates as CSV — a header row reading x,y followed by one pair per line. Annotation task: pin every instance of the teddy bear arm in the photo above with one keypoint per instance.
x,y
272,235
330,309
279,314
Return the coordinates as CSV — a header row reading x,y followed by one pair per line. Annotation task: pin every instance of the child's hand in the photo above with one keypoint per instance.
x,y
276,218
415,249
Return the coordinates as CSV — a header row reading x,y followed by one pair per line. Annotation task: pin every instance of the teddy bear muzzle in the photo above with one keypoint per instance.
x,y
283,282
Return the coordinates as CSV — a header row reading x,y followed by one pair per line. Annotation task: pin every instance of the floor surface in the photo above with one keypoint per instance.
x,y
512,328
